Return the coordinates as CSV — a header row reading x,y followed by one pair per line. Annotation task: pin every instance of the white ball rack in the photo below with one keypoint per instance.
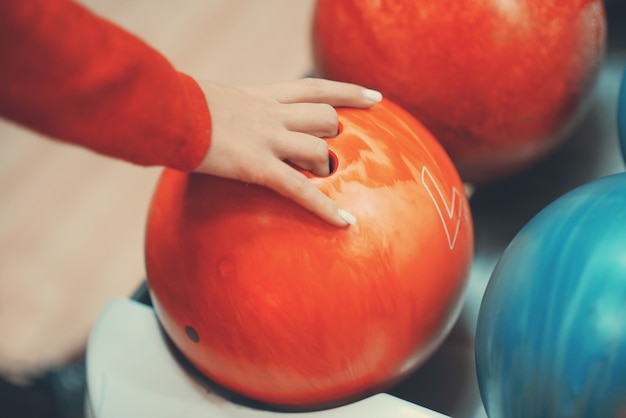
x,y
132,372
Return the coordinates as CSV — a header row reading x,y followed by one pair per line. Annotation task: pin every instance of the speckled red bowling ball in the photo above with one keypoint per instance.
x,y
271,302
499,82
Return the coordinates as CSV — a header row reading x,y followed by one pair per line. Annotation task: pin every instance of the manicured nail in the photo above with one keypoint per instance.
x,y
346,216
372,95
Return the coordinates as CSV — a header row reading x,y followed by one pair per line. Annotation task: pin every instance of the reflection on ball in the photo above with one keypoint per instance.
x,y
269,301
551,337
499,83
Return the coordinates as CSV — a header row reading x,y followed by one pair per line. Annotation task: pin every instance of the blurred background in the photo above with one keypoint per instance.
x,y
71,221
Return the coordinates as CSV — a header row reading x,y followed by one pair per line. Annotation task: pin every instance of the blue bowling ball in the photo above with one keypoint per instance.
x,y
621,114
551,332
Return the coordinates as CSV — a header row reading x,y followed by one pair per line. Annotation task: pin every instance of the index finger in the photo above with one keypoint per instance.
x,y
317,90
294,185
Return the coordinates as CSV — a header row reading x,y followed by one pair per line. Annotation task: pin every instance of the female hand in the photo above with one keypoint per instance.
x,y
257,130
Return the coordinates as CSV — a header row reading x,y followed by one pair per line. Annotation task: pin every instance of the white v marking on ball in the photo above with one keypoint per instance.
x,y
451,214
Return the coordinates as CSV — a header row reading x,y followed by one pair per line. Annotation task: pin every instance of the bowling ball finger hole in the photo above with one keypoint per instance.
x,y
333,162
192,334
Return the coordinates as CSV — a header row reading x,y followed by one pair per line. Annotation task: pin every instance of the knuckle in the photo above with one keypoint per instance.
x,y
320,162
321,151
328,115
315,86
256,174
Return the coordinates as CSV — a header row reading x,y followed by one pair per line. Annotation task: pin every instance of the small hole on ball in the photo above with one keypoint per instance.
x,y
192,334
333,162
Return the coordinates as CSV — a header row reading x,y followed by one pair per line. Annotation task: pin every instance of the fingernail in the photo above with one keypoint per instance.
x,y
372,95
346,216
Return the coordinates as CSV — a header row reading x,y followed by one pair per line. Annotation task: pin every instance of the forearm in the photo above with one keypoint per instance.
x,y
79,78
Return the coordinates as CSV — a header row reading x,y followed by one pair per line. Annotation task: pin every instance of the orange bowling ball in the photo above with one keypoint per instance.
x,y
499,83
270,302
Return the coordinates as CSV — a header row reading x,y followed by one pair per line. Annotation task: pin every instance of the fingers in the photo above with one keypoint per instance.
x,y
316,90
255,130
318,119
307,152
297,187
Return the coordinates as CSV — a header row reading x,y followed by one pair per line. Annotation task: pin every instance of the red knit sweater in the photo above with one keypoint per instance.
x,y
76,77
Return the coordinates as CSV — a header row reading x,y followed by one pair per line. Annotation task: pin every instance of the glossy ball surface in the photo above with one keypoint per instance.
x,y
551,339
270,302
499,83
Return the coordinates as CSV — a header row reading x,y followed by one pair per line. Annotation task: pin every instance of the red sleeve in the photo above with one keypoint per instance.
x,y
76,77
